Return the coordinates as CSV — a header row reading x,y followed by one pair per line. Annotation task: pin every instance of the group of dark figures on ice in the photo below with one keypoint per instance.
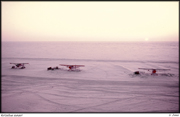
x,y
71,67
74,67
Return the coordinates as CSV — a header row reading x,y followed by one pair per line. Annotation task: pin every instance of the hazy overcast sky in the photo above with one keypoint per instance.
x,y
90,21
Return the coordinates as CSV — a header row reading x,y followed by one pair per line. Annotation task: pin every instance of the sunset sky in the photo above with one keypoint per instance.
x,y
90,21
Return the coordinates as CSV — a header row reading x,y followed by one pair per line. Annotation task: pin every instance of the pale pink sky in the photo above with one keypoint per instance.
x,y
90,21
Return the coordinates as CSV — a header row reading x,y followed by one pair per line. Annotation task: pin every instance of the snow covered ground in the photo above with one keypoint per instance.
x,y
100,86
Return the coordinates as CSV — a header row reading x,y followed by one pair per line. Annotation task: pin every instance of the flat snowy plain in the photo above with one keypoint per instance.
x,y
105,84
100,86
